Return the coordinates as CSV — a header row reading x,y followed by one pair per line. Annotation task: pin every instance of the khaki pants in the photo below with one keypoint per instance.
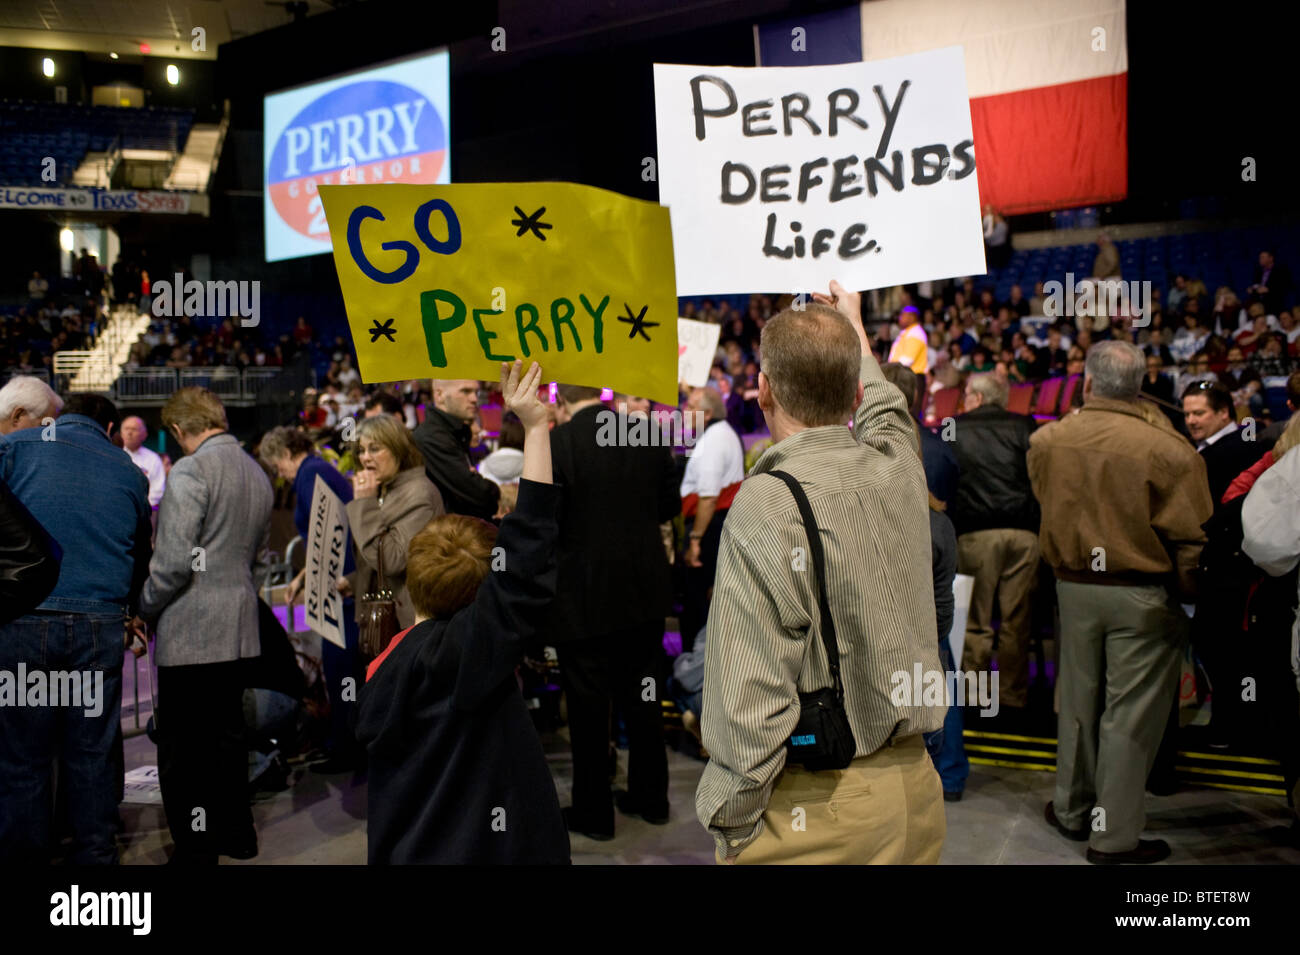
x,y
886,808
1120,652
1004,563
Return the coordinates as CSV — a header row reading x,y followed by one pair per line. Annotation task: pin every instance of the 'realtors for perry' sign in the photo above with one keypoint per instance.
x,y
783,178
388,124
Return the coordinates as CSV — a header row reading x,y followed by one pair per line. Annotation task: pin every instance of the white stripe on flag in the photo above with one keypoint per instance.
x,y
1010,45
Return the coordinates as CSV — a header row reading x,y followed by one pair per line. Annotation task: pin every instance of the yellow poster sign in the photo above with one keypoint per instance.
x,y
450,281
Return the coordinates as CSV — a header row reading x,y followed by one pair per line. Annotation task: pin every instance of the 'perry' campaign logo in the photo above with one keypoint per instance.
x,y
367,132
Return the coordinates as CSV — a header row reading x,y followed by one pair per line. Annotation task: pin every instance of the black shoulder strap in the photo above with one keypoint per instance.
x,y
819,571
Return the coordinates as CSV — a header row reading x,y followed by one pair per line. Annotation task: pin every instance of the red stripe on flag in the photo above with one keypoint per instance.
x,y
1053,147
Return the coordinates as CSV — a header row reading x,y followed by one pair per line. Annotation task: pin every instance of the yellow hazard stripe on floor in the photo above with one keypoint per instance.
x,y
1256,760
1047,741
979,734
1262,790
972,747
1235,774
1192,770
1040,767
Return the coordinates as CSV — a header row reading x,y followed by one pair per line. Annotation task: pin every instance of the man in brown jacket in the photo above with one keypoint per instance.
x,y
1123,503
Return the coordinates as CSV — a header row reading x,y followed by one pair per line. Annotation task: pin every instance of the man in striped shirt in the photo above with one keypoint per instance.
x,y
867,492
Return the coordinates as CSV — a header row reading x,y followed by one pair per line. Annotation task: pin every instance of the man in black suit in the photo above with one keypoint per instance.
x,y
1211,421
1272,283
618,485
1210,417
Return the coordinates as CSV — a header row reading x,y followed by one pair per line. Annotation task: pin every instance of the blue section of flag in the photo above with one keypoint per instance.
x,y
831,37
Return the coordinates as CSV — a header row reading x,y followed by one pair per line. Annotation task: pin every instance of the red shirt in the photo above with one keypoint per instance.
x,y
392,644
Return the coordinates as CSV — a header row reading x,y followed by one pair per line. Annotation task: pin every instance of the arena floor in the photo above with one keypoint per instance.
x,y
320,820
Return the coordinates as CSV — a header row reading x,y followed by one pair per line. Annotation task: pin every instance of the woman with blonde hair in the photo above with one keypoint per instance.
x,y
392,500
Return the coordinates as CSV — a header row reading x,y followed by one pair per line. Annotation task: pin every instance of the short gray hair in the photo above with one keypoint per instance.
x,y
1116,369
711,401
284,441
31,395
991,388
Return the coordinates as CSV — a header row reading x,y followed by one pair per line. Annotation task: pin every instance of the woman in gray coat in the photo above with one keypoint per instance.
x,y
201,596
392,500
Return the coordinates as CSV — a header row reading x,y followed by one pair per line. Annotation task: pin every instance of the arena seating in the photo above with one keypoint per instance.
x,y
945,403
1021,399
1223,257
1049,396
30,132
1046,400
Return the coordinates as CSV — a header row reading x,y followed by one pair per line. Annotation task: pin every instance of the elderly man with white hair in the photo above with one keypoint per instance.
x,y
996,518
714,470
25,403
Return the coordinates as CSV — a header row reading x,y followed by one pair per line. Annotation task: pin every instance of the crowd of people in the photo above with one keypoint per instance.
x,y
49,322
469,555
67,313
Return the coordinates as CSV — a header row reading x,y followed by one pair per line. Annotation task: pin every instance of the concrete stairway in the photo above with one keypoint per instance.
x,y
98,368
192,170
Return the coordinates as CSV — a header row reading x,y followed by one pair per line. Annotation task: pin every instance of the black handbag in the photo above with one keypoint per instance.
x,y
823,739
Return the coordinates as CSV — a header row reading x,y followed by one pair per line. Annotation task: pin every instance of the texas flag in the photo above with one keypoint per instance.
x,y
1047,80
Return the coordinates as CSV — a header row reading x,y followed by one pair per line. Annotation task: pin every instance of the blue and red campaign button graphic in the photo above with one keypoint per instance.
x,y
366,132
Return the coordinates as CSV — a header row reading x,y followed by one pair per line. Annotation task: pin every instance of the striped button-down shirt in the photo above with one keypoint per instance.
x,y
868,493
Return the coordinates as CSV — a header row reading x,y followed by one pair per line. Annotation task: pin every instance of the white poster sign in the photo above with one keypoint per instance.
x,y
697,344
963,586
783,178
327,547
141,787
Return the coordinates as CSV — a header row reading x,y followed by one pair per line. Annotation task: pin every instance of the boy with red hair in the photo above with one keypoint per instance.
x,y
457,773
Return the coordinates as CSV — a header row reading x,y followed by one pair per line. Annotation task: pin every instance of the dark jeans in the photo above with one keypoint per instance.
x,y
596,673
202,758
79,736
339,663
698,580
949,750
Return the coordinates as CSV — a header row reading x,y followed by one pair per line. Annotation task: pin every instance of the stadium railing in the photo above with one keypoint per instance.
x,y
146,385
5,374
258,381
225,383
153,386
